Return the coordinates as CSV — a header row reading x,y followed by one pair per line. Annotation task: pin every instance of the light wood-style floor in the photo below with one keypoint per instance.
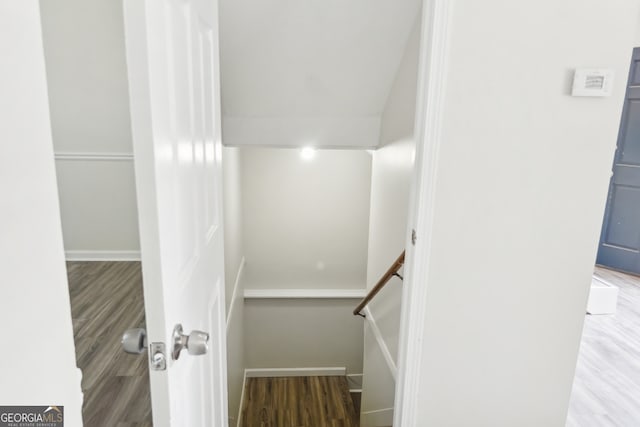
x,y
106,299
298,402
606,390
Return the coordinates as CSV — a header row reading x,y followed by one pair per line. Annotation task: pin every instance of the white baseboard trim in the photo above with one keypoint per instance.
x,y
304,293
355,382
87,156
381,342
244,381
379,417
234,296
74,255
295,372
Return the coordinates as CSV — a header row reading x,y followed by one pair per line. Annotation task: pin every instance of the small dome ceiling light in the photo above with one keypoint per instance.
x,y
307,153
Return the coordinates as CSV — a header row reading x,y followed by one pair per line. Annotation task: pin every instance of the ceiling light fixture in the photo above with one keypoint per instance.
x,y
307,153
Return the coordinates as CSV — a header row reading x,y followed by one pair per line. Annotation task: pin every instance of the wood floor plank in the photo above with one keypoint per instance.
x,y
356,398
606,389
298,402
107,299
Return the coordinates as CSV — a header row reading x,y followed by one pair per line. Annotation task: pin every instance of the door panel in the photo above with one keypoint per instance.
x,y
630,133
620,239
634,78
624,202
172,54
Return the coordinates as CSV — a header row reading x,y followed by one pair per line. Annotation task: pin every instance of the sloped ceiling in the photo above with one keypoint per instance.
x,y
309,72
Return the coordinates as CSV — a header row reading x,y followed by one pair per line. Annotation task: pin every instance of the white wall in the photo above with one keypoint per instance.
x,y
378,385
518,197
303,333
306,222
391,175
236,363
305,227
233,218
233,265
38,364
89,102
98,207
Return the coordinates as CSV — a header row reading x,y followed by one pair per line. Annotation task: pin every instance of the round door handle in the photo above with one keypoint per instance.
x,y
196,342
134,341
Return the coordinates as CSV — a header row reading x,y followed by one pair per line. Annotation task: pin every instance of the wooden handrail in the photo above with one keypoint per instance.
x,y
392,271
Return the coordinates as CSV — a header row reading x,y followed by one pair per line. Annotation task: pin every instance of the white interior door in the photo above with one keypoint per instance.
x,y
172,55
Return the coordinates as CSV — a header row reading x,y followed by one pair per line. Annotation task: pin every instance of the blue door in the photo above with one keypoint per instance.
x,y
620,239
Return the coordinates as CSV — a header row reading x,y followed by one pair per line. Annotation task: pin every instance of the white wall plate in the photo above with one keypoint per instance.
x,y
592,82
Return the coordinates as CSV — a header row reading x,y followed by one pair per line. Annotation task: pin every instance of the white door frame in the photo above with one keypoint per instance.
x,y
430,100
432,73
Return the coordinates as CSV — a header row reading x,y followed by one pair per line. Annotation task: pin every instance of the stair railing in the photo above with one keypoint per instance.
x,y
392,271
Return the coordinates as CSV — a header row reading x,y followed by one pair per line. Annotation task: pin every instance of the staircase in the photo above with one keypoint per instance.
x,y
312,401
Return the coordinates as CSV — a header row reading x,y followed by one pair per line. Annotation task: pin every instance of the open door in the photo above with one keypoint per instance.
x,y
620,238
172,56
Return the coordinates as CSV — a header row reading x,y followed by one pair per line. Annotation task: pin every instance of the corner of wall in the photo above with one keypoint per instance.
x,y
235,346
234,276
392,170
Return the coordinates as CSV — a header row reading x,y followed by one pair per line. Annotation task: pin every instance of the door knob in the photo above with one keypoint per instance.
x,y
134,341
196,342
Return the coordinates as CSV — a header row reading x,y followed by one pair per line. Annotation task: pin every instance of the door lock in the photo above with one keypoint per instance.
x,y
134,341
157,356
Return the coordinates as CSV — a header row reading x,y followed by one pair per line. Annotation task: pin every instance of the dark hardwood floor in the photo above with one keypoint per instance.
x,y
356,398
298,402
106,299
606,389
